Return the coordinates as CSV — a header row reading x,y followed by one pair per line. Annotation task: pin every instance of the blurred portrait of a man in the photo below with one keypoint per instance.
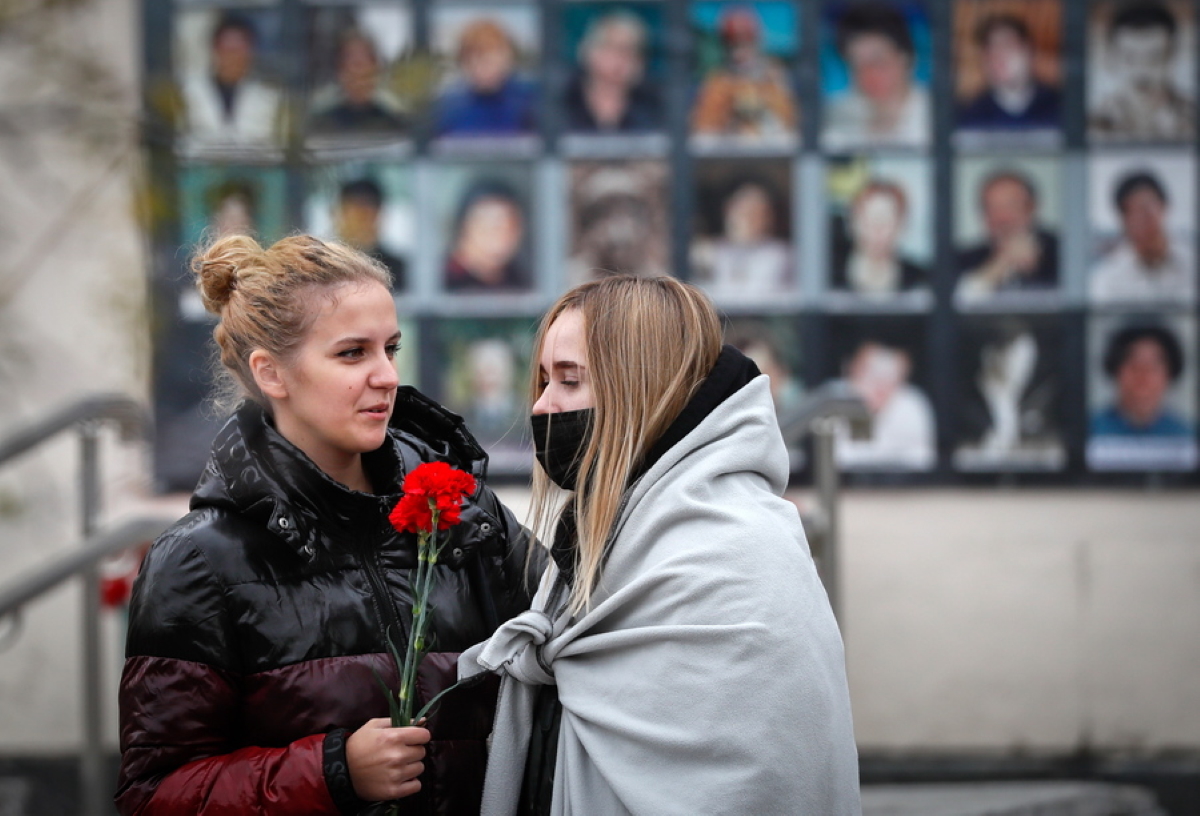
x,y
609,92
1141,44
885,104
618,220
226,104
1013,97
357,101
1018,253
1148,264
1143,362
356,220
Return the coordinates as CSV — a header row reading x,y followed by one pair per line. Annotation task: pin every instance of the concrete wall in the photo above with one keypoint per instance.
x,y
1023,620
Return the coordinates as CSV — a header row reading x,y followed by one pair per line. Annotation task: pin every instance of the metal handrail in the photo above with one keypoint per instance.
x,y
85,416
832,400
130,417
43,579
821,414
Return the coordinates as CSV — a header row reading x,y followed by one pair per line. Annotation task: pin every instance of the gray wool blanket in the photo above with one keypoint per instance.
x,y
708,675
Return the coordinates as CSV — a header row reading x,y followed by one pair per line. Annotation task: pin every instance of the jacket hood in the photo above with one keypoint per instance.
x,y
730,373
739,436
255,472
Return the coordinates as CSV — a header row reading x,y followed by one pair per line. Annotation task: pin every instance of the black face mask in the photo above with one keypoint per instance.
x,y
559,441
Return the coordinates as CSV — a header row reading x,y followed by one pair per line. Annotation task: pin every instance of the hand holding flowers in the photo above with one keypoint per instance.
x,y
432,501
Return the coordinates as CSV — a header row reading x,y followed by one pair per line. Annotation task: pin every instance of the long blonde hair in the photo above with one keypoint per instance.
x,y
650,342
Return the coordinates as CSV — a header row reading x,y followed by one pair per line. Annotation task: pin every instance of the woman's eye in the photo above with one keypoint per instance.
x,y
351,353
391,348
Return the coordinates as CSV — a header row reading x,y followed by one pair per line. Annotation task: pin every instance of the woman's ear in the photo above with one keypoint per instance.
x,y
266,374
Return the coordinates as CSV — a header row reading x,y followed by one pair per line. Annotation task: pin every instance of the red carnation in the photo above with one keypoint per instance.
x,y
411,514
433,496
440,480
430,487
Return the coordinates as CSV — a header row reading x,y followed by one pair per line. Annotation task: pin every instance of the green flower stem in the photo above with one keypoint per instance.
x,y
427,551
409,672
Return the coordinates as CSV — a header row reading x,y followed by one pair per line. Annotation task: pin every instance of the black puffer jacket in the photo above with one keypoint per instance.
x,y
257,620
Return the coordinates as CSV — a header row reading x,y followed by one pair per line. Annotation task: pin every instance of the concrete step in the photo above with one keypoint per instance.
x,y
15,795
50,788
952,799
1009,799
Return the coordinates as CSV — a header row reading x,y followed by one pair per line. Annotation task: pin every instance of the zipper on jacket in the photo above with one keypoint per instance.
x,y
391,622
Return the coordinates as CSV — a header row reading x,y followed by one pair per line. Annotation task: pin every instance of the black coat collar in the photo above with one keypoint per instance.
x,y
732,371
255,472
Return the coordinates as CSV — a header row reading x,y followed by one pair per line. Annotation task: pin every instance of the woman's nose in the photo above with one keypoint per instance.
x,y
542,406
385,375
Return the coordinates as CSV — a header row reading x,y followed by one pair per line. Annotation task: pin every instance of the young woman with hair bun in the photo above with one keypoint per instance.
x,y
259,620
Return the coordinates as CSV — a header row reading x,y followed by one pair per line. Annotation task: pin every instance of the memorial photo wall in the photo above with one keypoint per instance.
x,y
978,215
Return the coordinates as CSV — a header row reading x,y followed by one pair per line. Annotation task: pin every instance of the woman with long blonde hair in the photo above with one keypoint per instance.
x,y
681,655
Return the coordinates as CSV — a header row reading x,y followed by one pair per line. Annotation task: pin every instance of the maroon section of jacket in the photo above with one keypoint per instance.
x,y
257,749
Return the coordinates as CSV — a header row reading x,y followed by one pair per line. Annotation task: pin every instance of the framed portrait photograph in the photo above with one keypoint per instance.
x,y
369,206
880,232
1009,402
876,64
1008,73
223,199
1007,226
488,55
619,222
483,212
1142,212
228,64
185,421
742,249
484,377
1142,392
746,92
614,53
1141,71
409,355
773,342
362,86
881,361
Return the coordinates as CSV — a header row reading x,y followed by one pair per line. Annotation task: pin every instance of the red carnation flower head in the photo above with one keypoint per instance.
x,y
411,514
429,487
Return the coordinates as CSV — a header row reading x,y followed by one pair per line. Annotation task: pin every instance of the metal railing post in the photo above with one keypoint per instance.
x,y
91,766
826,481
86,415
824,414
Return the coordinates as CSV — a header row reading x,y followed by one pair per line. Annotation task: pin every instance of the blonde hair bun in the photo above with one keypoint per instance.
x,y
219,266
